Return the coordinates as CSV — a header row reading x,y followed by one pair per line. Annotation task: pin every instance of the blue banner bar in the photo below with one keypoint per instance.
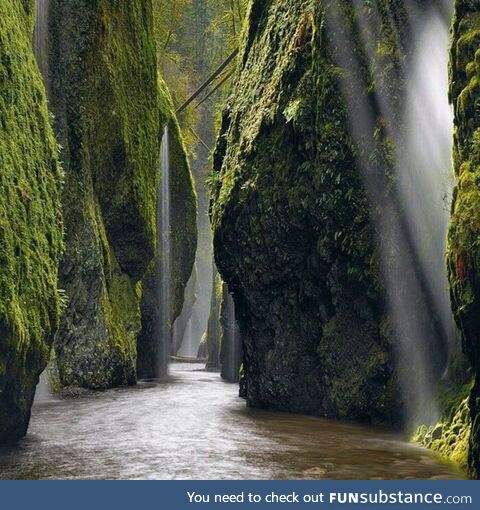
x,y
196,495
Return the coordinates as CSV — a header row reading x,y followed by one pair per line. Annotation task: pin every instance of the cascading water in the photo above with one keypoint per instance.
x,y
410,221
231,349
164,272
40,36
40,48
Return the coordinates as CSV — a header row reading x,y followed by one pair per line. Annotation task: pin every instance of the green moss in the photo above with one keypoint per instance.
x,y
104,93
122,318
184,208
111,108
30,218
30,221
127,55
349,393
463,242
450,437
293,232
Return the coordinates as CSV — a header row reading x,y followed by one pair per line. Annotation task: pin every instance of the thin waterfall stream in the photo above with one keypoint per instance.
x,y
165,276
40,48
40,36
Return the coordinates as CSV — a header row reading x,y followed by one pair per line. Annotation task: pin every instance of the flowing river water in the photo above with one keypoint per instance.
x,y
194,426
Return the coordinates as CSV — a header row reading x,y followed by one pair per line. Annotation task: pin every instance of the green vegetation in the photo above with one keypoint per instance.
x,y
293,234
464,248
111,108
183,243
303,176
193,38
105,98
31,227
450,437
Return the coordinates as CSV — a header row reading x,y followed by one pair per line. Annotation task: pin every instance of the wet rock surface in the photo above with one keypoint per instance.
x,y
463,250
31,229
292,230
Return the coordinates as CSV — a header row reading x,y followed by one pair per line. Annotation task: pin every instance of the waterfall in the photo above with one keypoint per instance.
x,y
40,36
164,242
192,324
231,348
411,221
40,48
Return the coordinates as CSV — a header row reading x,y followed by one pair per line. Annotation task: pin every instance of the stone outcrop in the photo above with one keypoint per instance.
x,y
293,234
214,334
110,109
464,249
30,221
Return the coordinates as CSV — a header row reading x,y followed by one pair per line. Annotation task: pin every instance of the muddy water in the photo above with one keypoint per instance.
x,y
195,427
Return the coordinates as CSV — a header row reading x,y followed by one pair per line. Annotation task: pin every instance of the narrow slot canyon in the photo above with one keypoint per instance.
x,y
238,240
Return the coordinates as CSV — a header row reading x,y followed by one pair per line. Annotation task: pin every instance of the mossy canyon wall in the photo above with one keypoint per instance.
x,y
314,119
110,108
104,96
297,239
183,247
30,221
293,233
463,251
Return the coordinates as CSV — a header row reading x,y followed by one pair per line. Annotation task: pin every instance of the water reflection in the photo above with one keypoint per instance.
x,y
195,427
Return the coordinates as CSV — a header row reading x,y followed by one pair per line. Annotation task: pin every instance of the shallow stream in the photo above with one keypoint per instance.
x,y
194,426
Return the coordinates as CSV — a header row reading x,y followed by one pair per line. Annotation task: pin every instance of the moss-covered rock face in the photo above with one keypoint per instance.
x,y
293,232
183,210
450,437
110,112
464,246
231,349
30,221
104,95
